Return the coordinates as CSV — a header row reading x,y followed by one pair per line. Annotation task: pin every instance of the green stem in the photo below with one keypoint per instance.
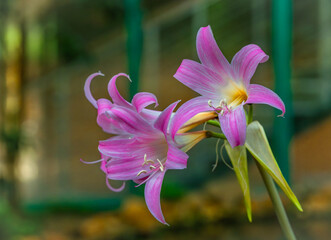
x,y
215,135
277,203
250,113
214,123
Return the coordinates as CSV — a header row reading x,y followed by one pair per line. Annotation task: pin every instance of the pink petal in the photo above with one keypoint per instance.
x,y
200,78
209,53
117,147
107,124
150,115
233,125
129,121
260,94
87,88
245,62
123,168
162,121
113,92
143,99
187,111
152,195
176,159
119,189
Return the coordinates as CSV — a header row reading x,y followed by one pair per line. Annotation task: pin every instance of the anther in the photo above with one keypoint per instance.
x,y
142,171
210,103
222,112
146,161
161,165
151,167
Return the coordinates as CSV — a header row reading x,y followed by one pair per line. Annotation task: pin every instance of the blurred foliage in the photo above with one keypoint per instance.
x,y
13,225
11,139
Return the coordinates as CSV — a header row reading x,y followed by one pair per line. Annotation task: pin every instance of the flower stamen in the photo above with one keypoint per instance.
x,y
142,171
222,108
147,161
161,165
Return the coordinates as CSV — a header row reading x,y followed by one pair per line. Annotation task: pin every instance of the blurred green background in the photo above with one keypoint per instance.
x,y
48,48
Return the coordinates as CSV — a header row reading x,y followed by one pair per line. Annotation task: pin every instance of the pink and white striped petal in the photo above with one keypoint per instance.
x,y
129,121
152,195
209,53
162,121
143,99
245,62
118,146
187,111
259,94
107,124
233,125
124,168
87,88
113,92
200,78
176,159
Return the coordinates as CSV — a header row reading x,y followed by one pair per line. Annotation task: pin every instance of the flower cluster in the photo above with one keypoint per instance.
x,y
146,143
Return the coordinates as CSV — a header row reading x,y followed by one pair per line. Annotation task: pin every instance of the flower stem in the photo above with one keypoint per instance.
x,y
215,135
277,203
214,123
250,113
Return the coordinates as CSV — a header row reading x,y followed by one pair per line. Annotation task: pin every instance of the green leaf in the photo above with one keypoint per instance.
x,y
238,159
258,145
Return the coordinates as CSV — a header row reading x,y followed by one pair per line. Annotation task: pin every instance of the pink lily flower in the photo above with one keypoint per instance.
x,y
143,149
146,152
138,104
224,87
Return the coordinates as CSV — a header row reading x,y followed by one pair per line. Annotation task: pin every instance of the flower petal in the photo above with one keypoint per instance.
x,y
113,92
143,99
152,195
107,124
114,189
129,121
187,111
233,125
123,168
200,78
260,94
87,88
118,146
209,53
162,121
150,115
245,62
176,159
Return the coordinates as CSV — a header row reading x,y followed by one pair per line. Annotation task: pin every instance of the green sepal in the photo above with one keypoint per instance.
x,y
257,144
238,159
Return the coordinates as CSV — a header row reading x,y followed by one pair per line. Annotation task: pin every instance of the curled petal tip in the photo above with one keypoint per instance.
x,y
113,188
100,73
87,88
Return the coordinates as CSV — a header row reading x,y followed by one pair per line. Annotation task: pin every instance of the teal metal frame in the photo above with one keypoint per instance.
x,y
281,52
133,22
